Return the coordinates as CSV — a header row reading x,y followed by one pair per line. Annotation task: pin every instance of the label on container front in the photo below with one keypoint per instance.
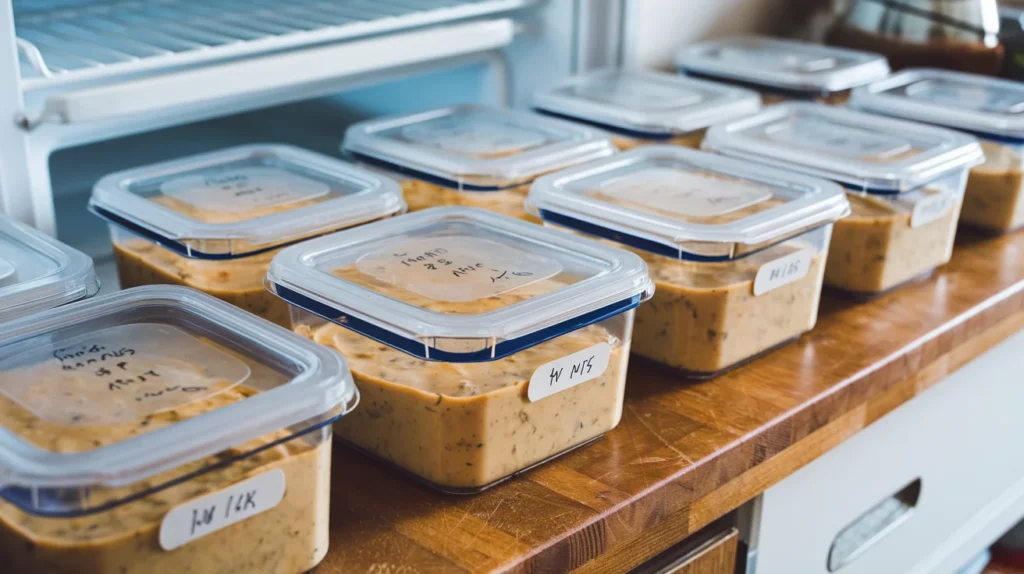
x,y
456,268
116,375
6,269
244,189
782,271
840,139
208,514
686,193
931,208
569,371
475,135
633,93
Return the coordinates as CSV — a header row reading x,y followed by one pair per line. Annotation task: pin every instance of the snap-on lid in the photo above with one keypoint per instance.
x,y
862,151
646,104
459,284
121,388
980,104
785,65
474,148
243,200
38,272
686,204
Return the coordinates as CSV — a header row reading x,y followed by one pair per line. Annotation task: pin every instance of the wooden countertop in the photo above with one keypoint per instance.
x,y
687,453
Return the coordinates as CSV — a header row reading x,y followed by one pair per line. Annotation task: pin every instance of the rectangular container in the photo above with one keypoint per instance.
x,y
783,69
641,107
161,430
471,155
737,252
990,108
38,272
905,183
213,221
483,345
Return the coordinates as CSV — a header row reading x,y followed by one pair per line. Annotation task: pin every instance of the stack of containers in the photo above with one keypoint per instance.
x,y
482,344
161,430
990,108
213,221
783,69
905,182
472,155
736,251
640,107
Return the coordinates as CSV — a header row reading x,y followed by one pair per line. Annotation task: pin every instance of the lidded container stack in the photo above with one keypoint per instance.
x,y
38,272
213,221
905,182
471,155
159,429
990,108
736,251
483,345
783,69
641,107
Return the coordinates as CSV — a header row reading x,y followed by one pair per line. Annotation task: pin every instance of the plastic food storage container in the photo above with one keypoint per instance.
x,y
783,69
213,221
161,430
990,108
736,251
483,345
905,182
38,272
639,107
472,155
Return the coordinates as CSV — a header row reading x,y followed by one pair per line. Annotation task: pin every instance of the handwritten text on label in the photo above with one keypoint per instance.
x,y
569,371
781,271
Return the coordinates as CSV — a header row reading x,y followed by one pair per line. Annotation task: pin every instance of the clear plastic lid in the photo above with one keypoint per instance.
x,y
474,148
987,106
785,65
646,104
459,284
118,389
38,272
243,200
686,204
862,151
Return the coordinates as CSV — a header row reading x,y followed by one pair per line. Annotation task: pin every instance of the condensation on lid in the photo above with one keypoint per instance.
x,y
38,272
87,392
859,150
783,64
979,104
474,148
458,284
648,103
244,199
686,203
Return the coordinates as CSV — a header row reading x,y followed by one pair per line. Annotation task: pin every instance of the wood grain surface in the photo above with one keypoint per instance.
x,y
686,453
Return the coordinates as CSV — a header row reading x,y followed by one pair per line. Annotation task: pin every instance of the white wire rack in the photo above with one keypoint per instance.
x,y
63,42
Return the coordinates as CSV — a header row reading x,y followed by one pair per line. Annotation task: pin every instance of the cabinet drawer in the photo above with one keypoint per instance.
x,y
911,492
710,551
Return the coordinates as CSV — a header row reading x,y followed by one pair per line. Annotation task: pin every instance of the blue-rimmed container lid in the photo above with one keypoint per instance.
x,y
459,284
474,148
686,204
862,151
243,200
38,272
784,65
987,106
108,392
646,104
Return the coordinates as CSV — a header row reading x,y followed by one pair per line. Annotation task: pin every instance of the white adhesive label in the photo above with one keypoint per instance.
x,y
457,268
569,371
685,192
767,58
6,269
474,135
639,93
207,514
117,375
969,96
782,271
840,139
244,189
931,208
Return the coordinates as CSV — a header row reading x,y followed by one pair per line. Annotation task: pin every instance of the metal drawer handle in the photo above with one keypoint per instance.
x,y
873,526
